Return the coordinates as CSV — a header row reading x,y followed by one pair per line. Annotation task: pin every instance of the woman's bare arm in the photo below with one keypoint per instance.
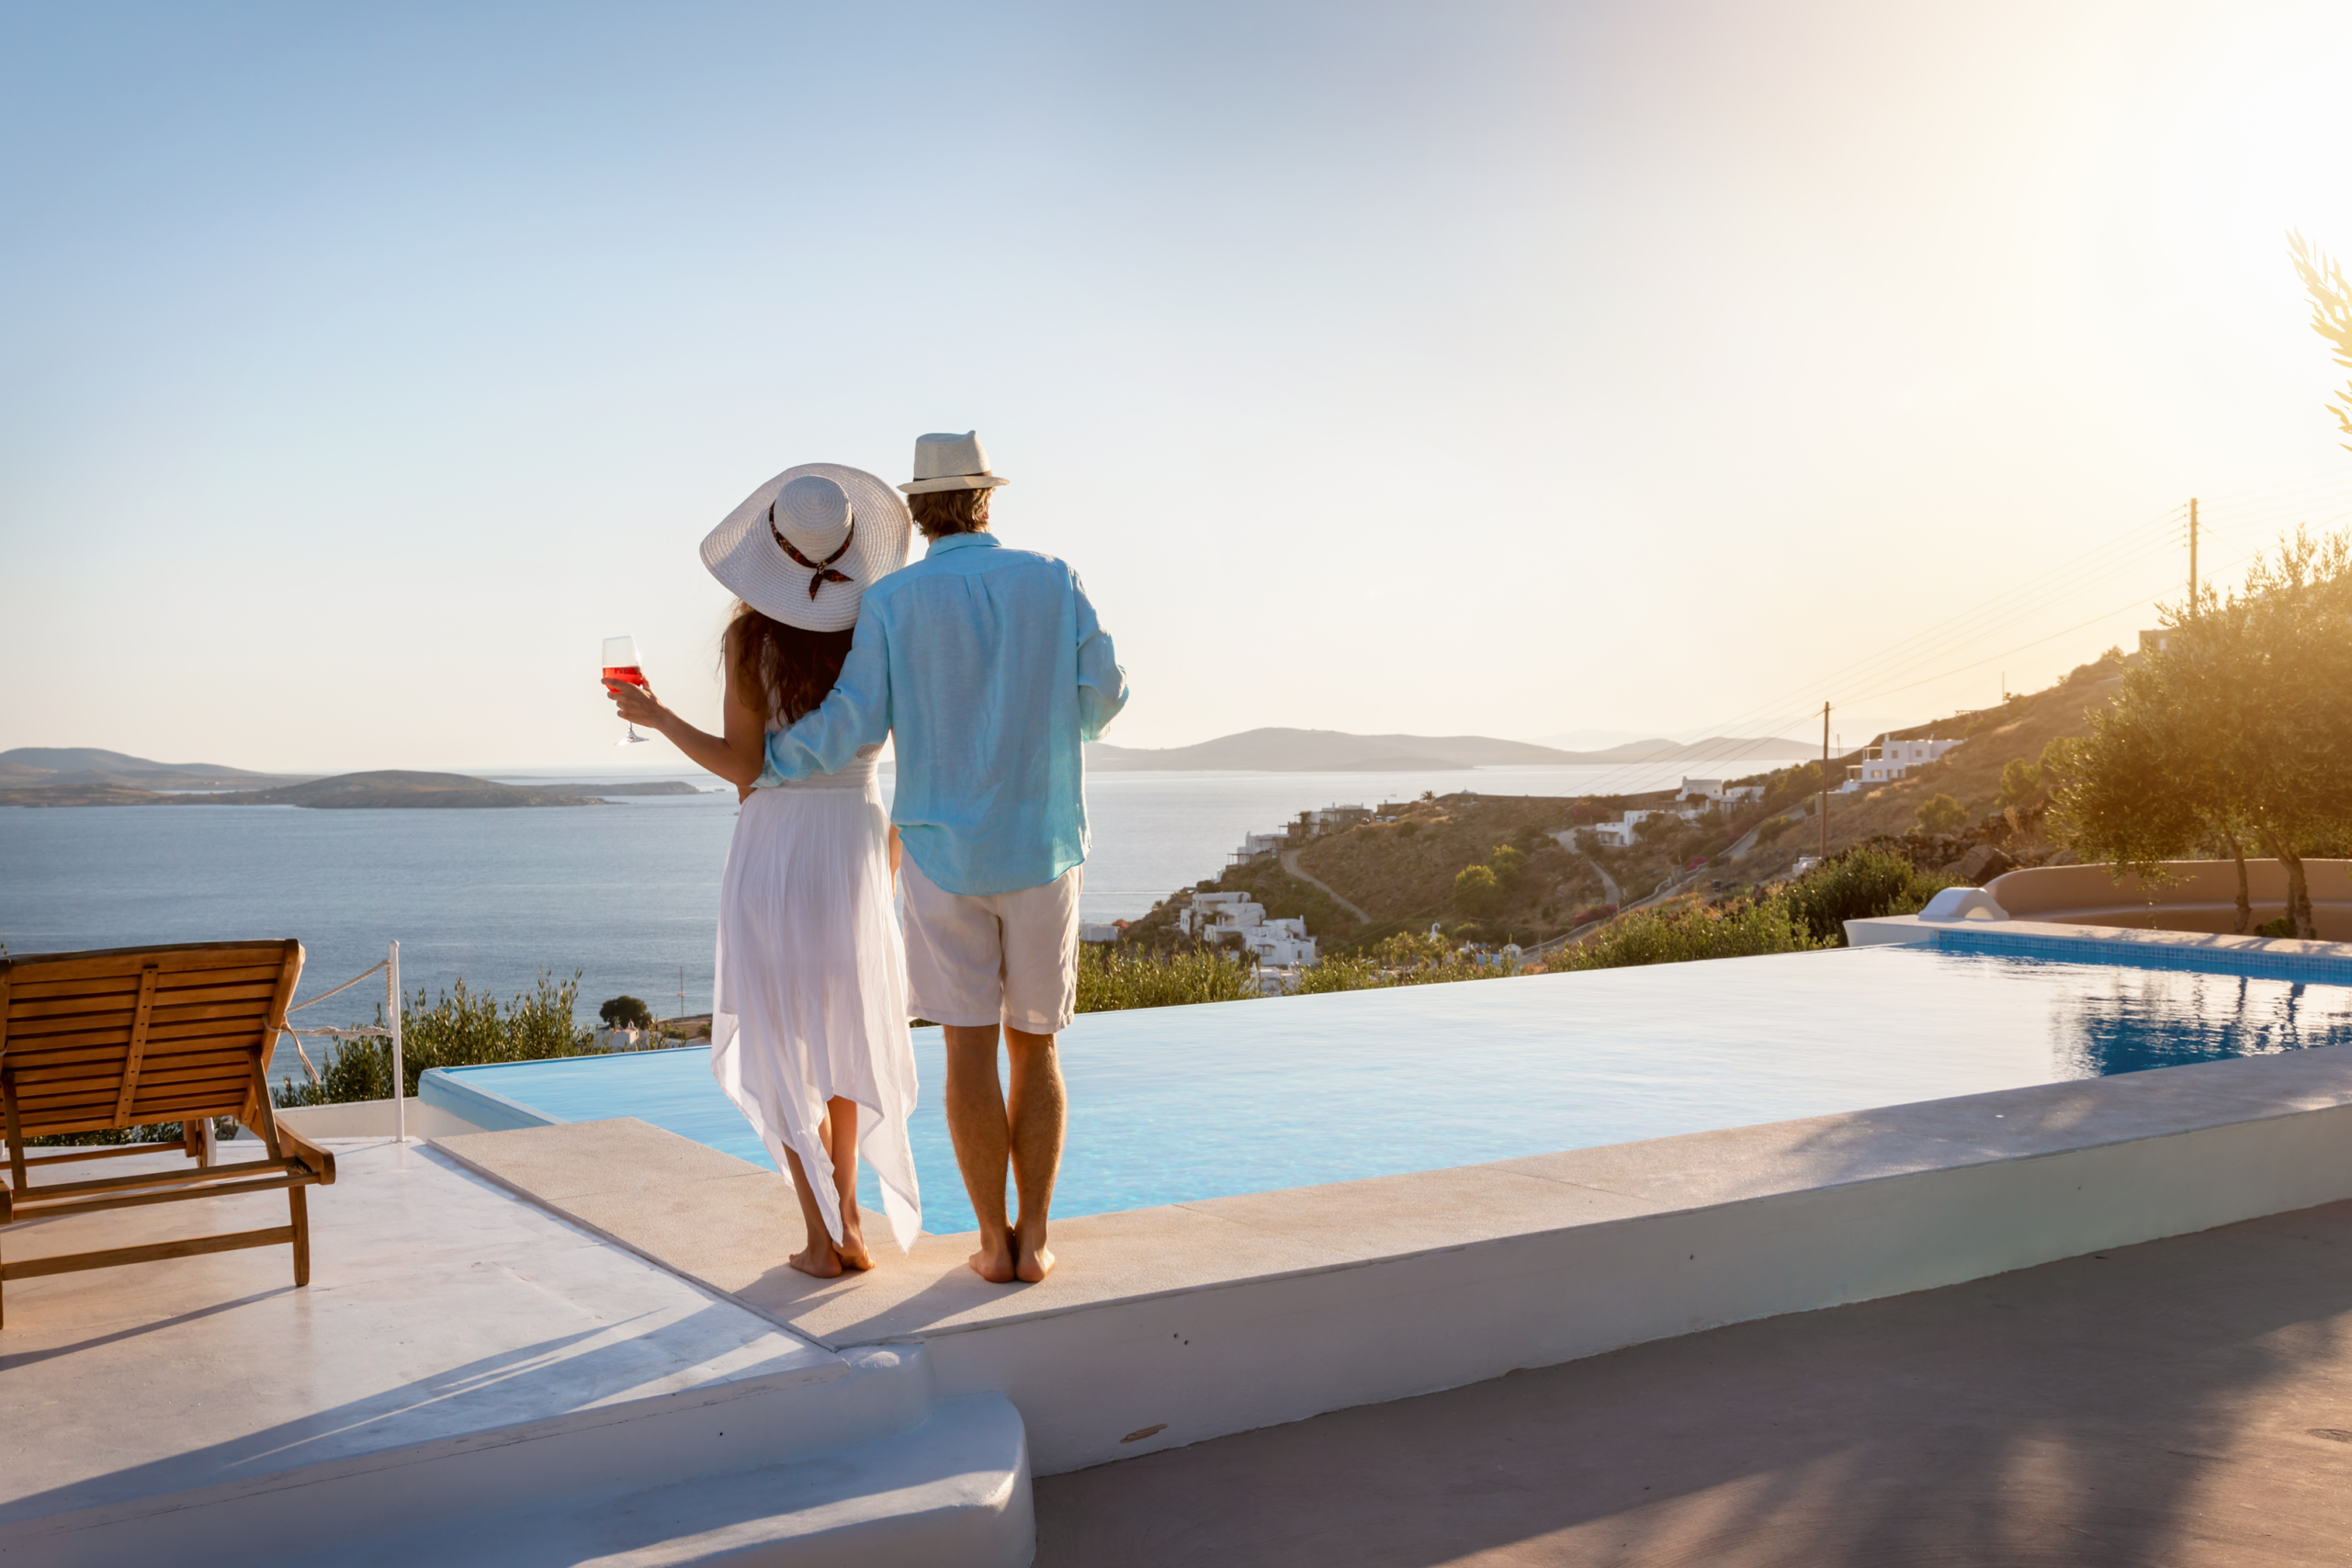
x,y
737,756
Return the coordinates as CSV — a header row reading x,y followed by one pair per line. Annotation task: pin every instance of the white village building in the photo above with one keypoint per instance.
x,y
1219,916
1885,760
1619,835
1258,846
1717,791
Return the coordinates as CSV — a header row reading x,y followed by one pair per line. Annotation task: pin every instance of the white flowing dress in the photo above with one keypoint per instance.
x,y
810,1001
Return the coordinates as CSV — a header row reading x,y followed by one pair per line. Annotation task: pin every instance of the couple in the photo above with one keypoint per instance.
x,y
989,667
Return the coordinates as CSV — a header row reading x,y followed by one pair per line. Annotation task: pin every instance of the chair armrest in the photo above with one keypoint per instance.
x,y
299,1147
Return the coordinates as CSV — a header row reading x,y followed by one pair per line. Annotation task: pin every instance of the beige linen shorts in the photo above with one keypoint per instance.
x,y
982,958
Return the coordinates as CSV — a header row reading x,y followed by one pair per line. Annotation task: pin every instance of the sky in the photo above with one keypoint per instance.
x,y
1486,368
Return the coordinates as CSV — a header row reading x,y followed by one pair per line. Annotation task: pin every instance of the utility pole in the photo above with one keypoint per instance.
x,y
2192,554
1822,811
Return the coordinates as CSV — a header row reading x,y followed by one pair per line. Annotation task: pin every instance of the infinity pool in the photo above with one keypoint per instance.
x,y
1174,1104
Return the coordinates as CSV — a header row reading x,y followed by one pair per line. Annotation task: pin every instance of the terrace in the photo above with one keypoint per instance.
x,y
2100,1318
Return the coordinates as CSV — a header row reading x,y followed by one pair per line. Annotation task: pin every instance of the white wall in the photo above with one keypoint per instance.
x,y
373,1118
1775,1219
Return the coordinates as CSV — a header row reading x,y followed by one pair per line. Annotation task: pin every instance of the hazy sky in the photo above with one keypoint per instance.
x,y
1508,370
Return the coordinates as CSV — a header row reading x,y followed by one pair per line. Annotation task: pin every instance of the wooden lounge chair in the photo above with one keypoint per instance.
x,y
132,1036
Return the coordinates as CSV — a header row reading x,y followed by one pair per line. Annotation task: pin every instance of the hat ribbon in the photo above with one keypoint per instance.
x,y
819,572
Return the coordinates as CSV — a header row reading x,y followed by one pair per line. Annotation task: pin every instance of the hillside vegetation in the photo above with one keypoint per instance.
x,y
1970,772
1491,868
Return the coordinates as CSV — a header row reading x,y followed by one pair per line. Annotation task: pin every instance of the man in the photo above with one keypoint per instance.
x,y
990,668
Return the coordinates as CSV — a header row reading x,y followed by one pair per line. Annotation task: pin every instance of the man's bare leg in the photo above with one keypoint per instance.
x,y
1038,1113
983,1138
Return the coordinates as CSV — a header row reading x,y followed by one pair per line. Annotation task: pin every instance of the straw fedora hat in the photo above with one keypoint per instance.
x,y
951,462
805,546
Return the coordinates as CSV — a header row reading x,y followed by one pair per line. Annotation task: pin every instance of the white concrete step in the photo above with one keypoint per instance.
x,y
853,1463
953,1490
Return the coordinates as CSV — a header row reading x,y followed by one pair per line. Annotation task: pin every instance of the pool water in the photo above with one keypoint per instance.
x,y
1174,1104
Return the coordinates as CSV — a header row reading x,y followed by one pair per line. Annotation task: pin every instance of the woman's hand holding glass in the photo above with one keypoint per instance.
x,y
637,705
625,680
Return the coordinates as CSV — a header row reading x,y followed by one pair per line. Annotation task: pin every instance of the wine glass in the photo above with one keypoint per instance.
x,y
621,664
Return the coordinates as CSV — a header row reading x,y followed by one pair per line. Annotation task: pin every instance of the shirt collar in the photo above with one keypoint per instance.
x,y
962,542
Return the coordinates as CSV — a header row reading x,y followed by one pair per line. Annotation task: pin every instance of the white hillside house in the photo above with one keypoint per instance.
x,y
1620,834
1716,792
1885,760
1239,918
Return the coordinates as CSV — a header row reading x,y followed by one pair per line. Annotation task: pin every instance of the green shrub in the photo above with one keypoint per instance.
x,y
153,1132
1109,979
1508,864
1941,815
1676,936
1476,890
1404,959
2021,783
460,1030
1861,884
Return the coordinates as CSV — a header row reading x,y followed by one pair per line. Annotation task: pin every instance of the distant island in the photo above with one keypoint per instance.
x,y
84,776
1331,750
87,767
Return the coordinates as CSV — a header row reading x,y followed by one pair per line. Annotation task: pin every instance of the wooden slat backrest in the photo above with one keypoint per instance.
x,y
132,1036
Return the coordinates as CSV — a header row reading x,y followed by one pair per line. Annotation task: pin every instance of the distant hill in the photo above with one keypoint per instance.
x,y
86,767
385,789
1331,750
1715,748
396,787
1324,750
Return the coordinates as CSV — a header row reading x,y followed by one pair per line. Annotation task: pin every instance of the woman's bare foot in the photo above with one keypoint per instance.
x,y
817,1259
853,1251
993,1263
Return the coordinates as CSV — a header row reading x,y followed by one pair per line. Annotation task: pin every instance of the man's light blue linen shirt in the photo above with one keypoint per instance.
x,y
989,666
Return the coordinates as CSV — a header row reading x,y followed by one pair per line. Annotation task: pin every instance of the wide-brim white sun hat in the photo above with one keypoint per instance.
x,y
805,553
951,462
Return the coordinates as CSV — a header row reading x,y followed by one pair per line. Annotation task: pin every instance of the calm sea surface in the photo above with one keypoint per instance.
x,y
625,894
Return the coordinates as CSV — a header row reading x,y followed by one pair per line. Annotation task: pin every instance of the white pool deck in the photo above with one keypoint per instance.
x,y
461,1356
580,1343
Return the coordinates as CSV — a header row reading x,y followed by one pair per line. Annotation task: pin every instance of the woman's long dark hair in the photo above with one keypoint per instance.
x,y
794,669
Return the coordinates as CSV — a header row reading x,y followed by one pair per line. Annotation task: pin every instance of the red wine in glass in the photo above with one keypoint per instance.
x,y
621,664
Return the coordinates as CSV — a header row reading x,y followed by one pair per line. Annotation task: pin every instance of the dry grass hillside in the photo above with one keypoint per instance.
x,y
1970,773
1402,873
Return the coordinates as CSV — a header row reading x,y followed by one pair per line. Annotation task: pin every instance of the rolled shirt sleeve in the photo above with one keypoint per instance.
x,y
1101,683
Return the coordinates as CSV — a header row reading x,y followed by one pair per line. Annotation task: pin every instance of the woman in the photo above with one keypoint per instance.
x,y
808,1022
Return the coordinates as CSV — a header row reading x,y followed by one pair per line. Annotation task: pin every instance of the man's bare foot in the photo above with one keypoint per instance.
x,y
1031,1264
817,1259
993,1264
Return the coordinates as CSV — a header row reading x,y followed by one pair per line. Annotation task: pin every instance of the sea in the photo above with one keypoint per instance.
x,y
623,897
